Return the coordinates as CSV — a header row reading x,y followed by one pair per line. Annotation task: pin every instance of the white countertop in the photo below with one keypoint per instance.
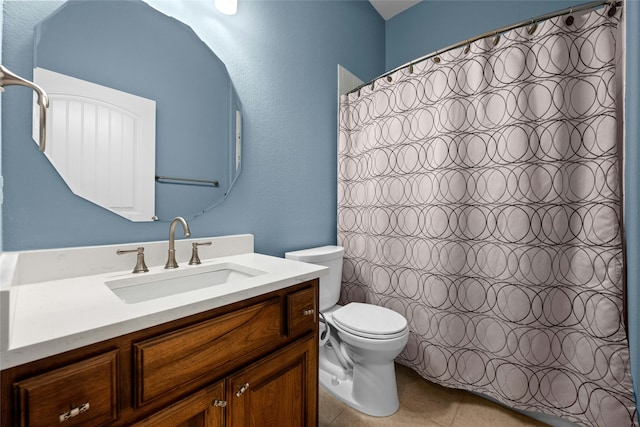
x,y
49,317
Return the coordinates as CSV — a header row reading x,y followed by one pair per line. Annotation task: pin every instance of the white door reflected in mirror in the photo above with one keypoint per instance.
x,y
102,143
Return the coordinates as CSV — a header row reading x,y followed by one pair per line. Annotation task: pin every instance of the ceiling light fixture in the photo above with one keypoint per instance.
x,y
228,7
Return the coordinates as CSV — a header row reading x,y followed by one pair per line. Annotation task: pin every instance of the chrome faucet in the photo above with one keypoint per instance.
x,y
171,261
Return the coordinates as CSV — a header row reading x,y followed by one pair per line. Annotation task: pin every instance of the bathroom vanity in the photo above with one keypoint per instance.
x,y
241,353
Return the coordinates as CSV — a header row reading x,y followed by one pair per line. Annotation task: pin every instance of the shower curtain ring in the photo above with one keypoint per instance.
x,y
496,38
613,9
569,20
532,29
467,48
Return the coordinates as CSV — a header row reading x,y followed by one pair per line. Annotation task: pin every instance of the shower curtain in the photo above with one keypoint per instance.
x,y
480,197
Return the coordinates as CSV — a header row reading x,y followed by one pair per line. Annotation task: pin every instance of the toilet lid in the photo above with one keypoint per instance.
x,y
370,321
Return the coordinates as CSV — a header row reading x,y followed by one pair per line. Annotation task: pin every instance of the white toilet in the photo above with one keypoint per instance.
x,y
358,342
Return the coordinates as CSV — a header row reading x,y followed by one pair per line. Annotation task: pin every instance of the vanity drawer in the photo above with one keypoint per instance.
x,y
80,394
192,356
302,311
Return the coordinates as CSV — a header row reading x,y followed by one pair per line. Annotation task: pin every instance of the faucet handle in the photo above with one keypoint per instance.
x,y
140,267
195,259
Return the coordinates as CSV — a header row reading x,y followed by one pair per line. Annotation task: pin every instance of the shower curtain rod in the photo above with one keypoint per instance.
x,y
533,21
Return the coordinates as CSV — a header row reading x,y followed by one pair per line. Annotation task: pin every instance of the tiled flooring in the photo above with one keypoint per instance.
x,y
426,405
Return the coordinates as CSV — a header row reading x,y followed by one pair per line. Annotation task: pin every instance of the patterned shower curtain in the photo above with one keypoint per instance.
x,y
480,197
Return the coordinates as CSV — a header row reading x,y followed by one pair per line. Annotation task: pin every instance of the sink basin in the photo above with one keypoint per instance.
x,y
142,288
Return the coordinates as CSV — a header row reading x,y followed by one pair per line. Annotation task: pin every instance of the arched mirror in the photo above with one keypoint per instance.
x,y
131,47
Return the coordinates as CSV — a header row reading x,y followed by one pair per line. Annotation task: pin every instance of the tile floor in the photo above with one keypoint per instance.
x,y
426,405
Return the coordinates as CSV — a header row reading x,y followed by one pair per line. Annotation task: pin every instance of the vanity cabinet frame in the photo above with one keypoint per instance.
x,y
275,332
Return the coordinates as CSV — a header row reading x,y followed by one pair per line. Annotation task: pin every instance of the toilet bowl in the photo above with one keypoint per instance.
x,y
358,342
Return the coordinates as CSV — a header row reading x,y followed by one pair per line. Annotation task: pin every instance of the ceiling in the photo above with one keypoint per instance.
x,y
390,8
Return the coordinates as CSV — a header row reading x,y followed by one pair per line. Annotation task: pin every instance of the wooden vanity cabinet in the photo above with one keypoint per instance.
x,y
251,363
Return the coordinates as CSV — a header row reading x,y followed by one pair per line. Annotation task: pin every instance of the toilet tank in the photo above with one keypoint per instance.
x,y
329,256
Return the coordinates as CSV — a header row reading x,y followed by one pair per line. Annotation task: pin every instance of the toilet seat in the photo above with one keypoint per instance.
x,y
370,321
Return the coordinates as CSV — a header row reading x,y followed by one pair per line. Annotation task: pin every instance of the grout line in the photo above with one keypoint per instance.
x,y
455,415
336,417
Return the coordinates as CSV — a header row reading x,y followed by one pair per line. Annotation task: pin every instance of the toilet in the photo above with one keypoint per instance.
x,y
358,342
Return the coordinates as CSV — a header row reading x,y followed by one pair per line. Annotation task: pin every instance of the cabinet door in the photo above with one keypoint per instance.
x,y
202,409
279,391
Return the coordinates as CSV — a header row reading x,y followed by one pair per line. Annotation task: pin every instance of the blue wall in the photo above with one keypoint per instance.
x,y
282,57
432,25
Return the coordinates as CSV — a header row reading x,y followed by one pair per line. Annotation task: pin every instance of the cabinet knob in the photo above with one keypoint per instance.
x,y
308,312
244,388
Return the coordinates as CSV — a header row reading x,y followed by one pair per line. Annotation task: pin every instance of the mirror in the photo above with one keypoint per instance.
x,y
131,47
